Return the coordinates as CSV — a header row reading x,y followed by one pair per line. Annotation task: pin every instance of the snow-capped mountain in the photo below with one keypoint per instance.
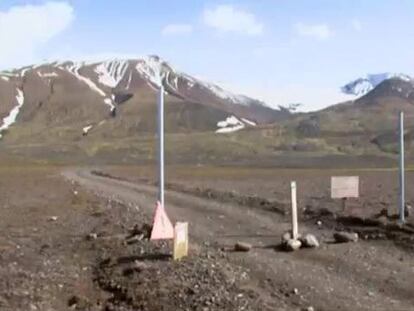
x,y
88,93
364,85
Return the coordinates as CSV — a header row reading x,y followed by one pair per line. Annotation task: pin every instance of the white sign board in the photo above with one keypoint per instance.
x,y
344,187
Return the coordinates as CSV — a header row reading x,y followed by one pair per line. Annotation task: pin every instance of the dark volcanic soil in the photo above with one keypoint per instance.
x,y
63,248
74,242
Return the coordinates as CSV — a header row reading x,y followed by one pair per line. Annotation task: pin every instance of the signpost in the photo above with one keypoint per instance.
x,y
162,227
161,145
343,187
402,169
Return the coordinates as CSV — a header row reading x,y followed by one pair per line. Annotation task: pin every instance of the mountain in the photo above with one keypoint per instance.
x,y
364,85
118,98
368,124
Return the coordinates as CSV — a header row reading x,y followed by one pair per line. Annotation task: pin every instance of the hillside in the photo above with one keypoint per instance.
x,y
106,112
117,98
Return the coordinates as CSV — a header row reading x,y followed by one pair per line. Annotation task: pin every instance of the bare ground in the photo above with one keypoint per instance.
x,y
47,263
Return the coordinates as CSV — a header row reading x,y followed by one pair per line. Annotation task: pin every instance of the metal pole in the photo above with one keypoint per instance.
x,y
294,211
161,145
402,169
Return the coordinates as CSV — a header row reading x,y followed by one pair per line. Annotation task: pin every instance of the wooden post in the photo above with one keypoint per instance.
x,y
294,211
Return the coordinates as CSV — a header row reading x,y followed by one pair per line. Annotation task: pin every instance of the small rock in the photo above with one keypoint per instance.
x,y
345,237
52,218
319,223
310,308
286,237
293,245
310,241
73,301
242,247
295,291
92,236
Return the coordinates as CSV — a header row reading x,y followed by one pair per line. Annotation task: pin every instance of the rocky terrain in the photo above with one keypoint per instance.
x,y
84,245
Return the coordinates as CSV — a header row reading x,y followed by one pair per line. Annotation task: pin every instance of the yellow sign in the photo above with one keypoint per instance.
x,y
180,240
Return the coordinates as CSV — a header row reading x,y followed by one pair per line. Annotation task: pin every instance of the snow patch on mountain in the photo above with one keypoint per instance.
x,y
47,74
74,68
5,78
151,68
86,129
25,70
158,71
251,123
233,124
11,118
110,73
129,80
226,95
364,85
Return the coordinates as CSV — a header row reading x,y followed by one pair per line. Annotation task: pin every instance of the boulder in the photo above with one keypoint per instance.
x,y
293,245
310,241
345,237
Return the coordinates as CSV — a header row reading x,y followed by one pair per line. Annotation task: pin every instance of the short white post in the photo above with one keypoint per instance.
x,y
294,211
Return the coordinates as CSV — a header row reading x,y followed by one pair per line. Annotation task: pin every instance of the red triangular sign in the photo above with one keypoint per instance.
x,y
162,228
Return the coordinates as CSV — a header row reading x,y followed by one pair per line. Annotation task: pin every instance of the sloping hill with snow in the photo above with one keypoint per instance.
x,y
364,85
118,98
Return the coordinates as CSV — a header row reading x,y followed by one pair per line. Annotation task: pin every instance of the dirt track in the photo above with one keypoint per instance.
x,y
368,275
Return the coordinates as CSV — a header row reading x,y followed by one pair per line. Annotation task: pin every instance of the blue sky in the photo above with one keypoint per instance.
x,y
280,51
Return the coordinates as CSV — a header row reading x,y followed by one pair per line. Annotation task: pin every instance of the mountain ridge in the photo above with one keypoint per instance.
x,y
63,85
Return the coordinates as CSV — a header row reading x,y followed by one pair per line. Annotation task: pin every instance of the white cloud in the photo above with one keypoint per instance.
x,y
318,31
177,29
26,28
356,24
226,18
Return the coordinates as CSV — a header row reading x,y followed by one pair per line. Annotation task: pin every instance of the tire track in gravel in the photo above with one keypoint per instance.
x,y
357,276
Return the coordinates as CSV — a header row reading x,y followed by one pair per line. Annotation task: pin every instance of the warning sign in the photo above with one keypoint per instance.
x,y
162,228
344,187
180,240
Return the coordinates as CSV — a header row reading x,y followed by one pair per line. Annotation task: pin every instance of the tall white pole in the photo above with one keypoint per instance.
x,y
161,145
294,211
402,168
